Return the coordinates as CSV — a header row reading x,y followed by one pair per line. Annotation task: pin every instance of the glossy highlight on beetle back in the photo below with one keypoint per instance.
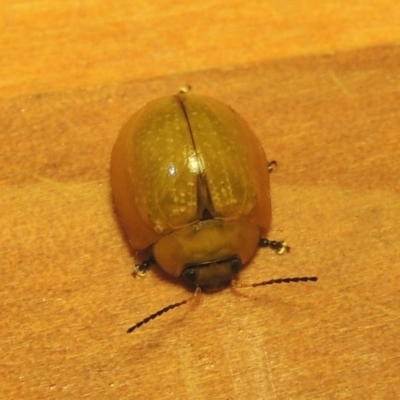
x,y
184,156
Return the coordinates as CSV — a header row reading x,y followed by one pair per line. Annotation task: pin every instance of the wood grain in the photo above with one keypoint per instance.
x,y
319,85
53,45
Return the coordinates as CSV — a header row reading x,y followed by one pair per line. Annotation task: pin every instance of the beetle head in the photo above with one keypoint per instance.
x,y
212,276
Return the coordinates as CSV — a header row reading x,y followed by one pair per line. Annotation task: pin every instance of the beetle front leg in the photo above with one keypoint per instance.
x,y
279,247
141,269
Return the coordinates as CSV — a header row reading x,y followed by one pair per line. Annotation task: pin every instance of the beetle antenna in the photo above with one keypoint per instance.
x,y
281,280
163,311
155,315
287,280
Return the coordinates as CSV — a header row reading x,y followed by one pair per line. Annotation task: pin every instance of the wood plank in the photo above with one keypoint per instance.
x,y
319,83
53,45
331,122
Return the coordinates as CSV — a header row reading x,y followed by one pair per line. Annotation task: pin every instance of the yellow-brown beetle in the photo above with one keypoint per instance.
x,y
190,179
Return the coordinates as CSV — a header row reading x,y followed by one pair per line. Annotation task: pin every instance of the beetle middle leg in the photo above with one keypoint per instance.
x,y
141,269
272,166
279,247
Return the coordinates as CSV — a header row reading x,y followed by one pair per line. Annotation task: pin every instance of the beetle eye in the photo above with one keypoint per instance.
x,y
190,275
236,264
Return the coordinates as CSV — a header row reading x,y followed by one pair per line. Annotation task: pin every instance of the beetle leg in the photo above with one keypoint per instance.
x,y
272,166
279,247
141,269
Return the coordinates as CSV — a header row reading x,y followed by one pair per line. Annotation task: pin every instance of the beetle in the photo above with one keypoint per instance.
x,y
190,180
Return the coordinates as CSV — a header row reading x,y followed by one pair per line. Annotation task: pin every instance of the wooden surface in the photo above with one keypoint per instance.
x,y
320,84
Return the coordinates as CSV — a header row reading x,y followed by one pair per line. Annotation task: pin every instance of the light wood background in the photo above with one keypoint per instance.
x,y
319,81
